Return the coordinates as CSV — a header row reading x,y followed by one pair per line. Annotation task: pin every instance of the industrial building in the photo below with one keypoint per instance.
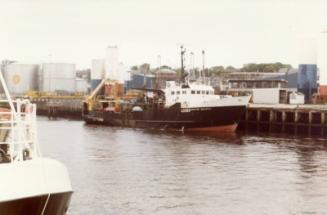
x,y
248,85
266,91
163,75
139,80
290,75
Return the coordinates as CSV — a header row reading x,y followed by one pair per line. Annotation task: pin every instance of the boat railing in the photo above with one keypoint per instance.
x,y
18,133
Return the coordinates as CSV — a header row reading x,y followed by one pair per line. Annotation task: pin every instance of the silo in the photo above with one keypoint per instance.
x,y
112,63
124,74
97,72
21,78
307,72
322,63
58,77
82,85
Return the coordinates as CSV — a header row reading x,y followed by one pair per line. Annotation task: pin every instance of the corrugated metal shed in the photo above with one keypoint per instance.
x,y
140,81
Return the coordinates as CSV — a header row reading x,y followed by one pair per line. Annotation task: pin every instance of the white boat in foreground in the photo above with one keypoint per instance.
x,y
29,183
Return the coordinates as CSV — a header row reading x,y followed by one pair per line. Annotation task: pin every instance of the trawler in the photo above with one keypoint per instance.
x,y
30,184
183,106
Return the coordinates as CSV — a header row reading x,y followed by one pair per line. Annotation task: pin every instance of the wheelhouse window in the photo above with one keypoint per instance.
x,y
184,92
198,92
192,92
178,92
173,92
203,92
207,92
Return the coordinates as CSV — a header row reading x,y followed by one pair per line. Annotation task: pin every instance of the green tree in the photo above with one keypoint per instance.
x,y
230,69
216,70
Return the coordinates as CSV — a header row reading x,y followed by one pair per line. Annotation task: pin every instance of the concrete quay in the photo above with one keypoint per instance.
x,y
59,107
305,120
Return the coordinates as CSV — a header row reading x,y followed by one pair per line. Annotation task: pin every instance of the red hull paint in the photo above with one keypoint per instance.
x,y
323,90
211,129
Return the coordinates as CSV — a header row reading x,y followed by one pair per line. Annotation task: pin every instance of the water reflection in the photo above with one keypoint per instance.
x,y
133,171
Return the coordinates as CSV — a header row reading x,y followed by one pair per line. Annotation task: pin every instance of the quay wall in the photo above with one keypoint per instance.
x,y
307,120
59,107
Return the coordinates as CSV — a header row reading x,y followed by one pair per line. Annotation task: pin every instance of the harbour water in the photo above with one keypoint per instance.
x,y
130,171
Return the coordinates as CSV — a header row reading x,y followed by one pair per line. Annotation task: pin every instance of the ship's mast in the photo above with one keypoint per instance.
x,y
203,66
182,76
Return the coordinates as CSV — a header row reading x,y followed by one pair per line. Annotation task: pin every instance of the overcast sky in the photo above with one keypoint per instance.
x,y
232,32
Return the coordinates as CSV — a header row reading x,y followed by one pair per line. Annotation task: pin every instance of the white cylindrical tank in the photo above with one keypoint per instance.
x,y
112,63
21,78
82,85
124,74
322,60
98,69
58,77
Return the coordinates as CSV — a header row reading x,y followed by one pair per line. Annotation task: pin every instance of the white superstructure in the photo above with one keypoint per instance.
x,y
195,95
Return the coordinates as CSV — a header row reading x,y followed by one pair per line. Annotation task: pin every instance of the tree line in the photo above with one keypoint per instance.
x,y
218,70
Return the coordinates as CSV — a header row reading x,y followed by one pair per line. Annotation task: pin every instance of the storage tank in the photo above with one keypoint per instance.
x,y
124,73
82,86
21,78
97,72
112,63
322,63
98,69
307,80
58,77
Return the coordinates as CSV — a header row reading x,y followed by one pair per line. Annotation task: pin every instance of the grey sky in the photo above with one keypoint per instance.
x,y
232,32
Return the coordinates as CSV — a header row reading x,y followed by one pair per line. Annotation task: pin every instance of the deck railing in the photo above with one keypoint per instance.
x,y
18,133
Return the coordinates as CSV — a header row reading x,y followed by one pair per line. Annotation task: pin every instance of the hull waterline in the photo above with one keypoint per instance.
x,y
204,120
49,204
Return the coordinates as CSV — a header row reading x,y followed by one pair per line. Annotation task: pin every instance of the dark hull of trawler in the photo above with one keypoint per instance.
x,y
48,204
203,119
